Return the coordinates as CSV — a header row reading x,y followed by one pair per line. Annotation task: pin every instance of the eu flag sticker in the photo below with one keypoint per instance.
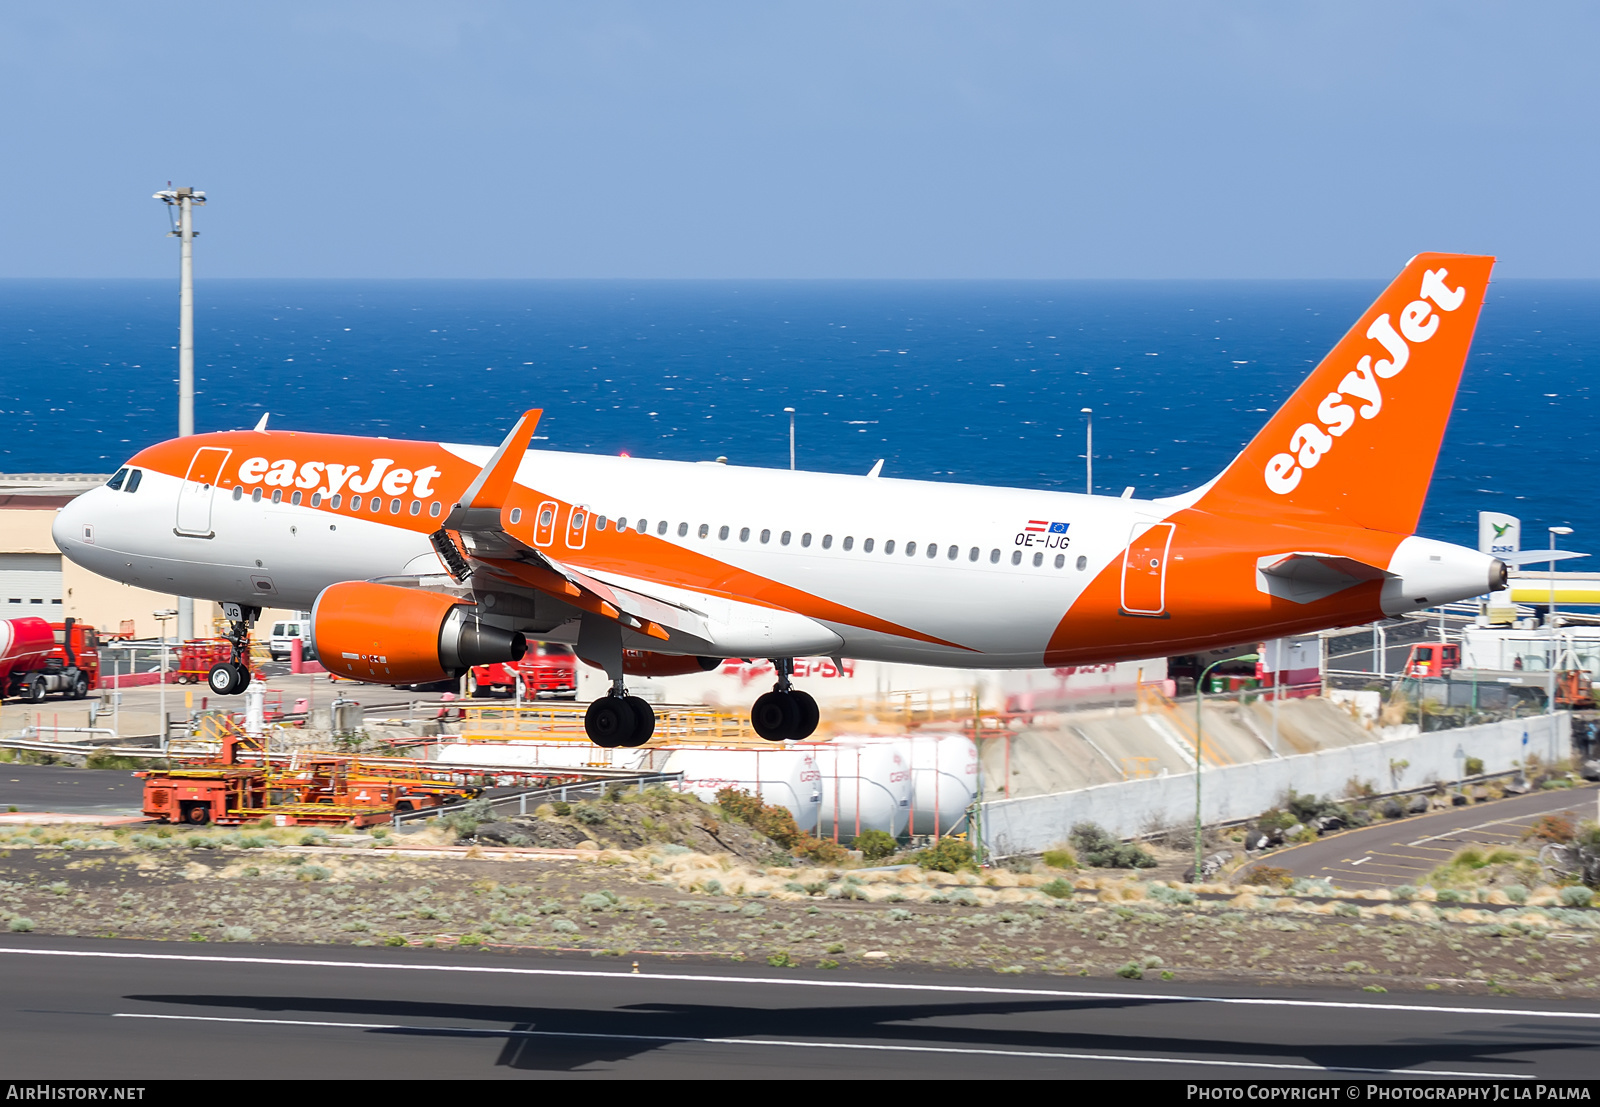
x,y
1058,528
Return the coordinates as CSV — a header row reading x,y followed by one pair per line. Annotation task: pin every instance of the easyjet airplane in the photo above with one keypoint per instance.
x,y
419,559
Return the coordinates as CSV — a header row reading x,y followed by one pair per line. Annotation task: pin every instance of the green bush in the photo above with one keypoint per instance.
x,y
1474,766
1576,896
1059,859
1131,971
875,845
1057,889
947,855
1096,848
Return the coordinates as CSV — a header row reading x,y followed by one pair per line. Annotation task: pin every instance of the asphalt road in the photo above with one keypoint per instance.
x,y
73,1008
1389,854
78,791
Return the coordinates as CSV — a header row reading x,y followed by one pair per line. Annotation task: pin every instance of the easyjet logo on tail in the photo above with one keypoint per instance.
x,y
1363,385
333,477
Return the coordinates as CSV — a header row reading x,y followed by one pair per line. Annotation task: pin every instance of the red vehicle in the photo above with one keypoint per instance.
x,y
1433,659
39,658
547,669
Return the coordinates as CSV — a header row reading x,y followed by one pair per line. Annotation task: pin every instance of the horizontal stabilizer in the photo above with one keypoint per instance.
x,y
1309,577
1537,557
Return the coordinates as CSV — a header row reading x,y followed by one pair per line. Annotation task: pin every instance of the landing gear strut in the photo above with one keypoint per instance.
x,y
784,714
231,677
615,719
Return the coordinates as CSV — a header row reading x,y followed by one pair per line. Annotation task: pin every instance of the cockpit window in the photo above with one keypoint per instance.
x,y
116,481
133,480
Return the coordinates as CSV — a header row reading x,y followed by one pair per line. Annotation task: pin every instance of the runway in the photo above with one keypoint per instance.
x,y
75,1008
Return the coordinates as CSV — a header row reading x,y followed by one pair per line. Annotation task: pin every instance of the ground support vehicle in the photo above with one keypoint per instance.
x,y
547,669
197,656
38,658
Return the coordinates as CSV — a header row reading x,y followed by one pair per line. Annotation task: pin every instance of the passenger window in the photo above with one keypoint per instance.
x,y
766,536
316,499
911,549
238,493
661,527
953,552
744,534
416,507
277,495
546,517
295,499
433,508
622,523
866,546
599,522
994,557
705,529
376,503
1038,560
888,547
805,539
115,482
723,534
849,542
255,496
972,554
827,541
394,507
134,477
643,525
1016,557
355,501
783,539
1061,560
516,514
334,503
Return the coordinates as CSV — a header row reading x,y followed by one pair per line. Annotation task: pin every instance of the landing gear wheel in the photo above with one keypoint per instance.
x,y
810,715
243,672
776,716
610,722
644,718
228,678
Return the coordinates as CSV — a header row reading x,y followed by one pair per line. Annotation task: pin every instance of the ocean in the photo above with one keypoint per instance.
x,y
979,381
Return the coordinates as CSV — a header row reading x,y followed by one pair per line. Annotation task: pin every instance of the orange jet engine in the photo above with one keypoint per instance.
x,y
382,634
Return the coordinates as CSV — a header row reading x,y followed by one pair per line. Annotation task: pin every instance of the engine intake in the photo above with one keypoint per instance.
x,y
384,634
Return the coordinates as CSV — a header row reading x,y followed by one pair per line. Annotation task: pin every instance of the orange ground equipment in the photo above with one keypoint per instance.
x,y
197,656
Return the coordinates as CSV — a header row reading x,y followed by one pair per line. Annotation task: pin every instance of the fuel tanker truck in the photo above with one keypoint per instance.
x,y
38,658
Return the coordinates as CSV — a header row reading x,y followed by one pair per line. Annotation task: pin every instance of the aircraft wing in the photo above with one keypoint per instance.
x,y
487,546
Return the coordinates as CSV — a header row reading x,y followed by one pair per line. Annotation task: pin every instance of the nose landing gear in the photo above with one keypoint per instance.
x,y
784,714
229,678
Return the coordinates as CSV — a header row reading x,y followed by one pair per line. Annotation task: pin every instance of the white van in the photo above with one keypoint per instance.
x,y
286,632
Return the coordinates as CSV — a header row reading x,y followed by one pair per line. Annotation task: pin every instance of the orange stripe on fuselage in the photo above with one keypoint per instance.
x,y
627,553
1211,594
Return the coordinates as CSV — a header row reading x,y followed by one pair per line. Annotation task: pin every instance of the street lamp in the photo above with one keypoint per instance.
x,y
790,410
1199,723
1088,451
1550,617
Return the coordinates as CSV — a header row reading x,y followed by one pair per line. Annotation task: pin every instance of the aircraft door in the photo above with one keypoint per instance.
x,y
577,526
1144,570
199,485
544,524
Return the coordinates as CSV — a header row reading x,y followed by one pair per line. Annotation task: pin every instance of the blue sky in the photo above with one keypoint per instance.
x,y
814,139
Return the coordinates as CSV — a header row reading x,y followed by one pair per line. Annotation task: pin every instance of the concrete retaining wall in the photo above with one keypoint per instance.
x,y
1238,792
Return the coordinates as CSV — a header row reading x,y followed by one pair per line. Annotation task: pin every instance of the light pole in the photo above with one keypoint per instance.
x,y
184,200
790,410
1088,451
1550,619
1199,724
162,617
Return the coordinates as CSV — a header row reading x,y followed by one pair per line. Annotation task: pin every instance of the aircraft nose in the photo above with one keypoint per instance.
x,y
73,527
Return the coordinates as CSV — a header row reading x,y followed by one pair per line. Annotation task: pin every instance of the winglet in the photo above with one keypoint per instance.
x,y
493,482
261,425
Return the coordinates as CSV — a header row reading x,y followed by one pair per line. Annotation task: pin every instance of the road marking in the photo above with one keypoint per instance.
x,y
790,982
1363,861
1496,822
1134,1058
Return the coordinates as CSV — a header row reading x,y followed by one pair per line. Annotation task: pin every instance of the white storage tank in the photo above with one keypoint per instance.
x,y
783,776
541,755
944,781
866,785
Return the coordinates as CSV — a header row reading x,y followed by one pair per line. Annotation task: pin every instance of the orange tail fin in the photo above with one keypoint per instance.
x,y
1359,438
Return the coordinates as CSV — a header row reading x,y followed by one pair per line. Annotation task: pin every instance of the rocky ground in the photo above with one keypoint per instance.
x,y
628,884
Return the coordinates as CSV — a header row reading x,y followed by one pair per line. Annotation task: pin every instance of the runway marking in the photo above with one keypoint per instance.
x,y
790,982
485,1032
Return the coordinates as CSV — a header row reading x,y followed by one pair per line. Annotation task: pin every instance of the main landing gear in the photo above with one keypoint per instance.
x,y
229,678
618,719
784,714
